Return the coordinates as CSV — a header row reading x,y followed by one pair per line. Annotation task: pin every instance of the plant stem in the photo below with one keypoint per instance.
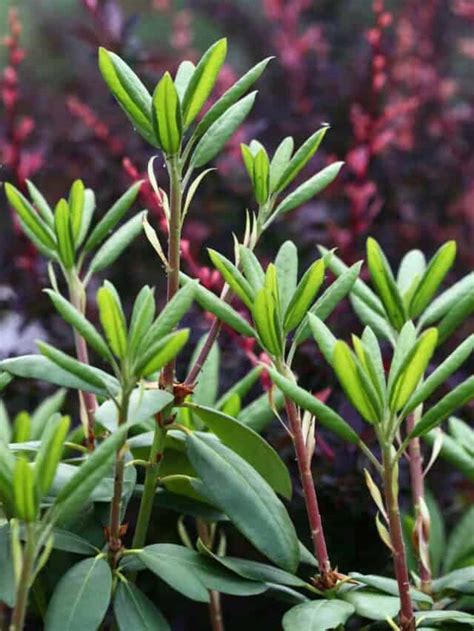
x,y
21,600
203,353
215,607
174,252
87,400
167,378
310,497
390,481
115,542
418,498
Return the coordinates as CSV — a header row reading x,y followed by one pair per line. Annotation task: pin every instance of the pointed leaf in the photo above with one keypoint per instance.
x,y
233,277
116,244
443,304
161,353
76,207
50,452
317,615
280,161
286,263
63,229
310,188
112,320
304,295
265,316
166,115
30,218
261,174
301,158
133,610
382,278
71,364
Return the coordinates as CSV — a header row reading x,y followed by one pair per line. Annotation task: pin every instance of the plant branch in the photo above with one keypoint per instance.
x,y
215,607
390,481
418,499
23,588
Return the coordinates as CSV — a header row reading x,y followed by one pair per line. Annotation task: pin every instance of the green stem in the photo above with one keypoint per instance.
x,y
407,619
167,378
215,606
23,588
115,542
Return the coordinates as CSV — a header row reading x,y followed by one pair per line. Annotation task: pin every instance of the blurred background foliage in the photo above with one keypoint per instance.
x,y
394,79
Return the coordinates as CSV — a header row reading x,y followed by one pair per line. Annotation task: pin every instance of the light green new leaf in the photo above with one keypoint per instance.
x,y
25,491
233,94
374,361
112,320
249,445
221,130
131,94
349,376
30,218
87,214
304,295
280,161
50,452
76,207
70,364
384,281
261,175
134,610
310,188
437,269
166,115
458,397
40,203
233,485
411,269
202,80
77,490
117,243
112,217
323,336
301,158
413,369
183,77
265,317
441,374
324,414
81,598
73,317
286,263
223,311
317,615
233,277
142,317
247,158
161,353
63,229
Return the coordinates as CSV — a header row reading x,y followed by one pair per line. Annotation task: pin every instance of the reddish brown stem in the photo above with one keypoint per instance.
x,y
418,497
309,491
203,353
407,619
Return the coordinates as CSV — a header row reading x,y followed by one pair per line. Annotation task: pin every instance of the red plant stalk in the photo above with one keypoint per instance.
x,y
390,481
422,525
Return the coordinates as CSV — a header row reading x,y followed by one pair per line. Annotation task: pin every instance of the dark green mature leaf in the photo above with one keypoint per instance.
x,y
434,274
202,80
131,94
166,115
143,405
30,218
371,318
444,617
249,445
233,94
77,490
81,597
324,414
259,413
192,574
389,586
441,374
7,469
5,379
248,500
454,453
384,281
460,543
280,161
317,615
221,130
71,542
112,217
75,318
252,269
310,188
447,300
117,243
448,404
135,611
286,264
301,158
372,605
458,313
71,364
7,575
223,311
207,387
304,295
37,367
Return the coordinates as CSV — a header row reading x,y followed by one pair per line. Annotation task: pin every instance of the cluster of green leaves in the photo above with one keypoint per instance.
x,y
64,235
